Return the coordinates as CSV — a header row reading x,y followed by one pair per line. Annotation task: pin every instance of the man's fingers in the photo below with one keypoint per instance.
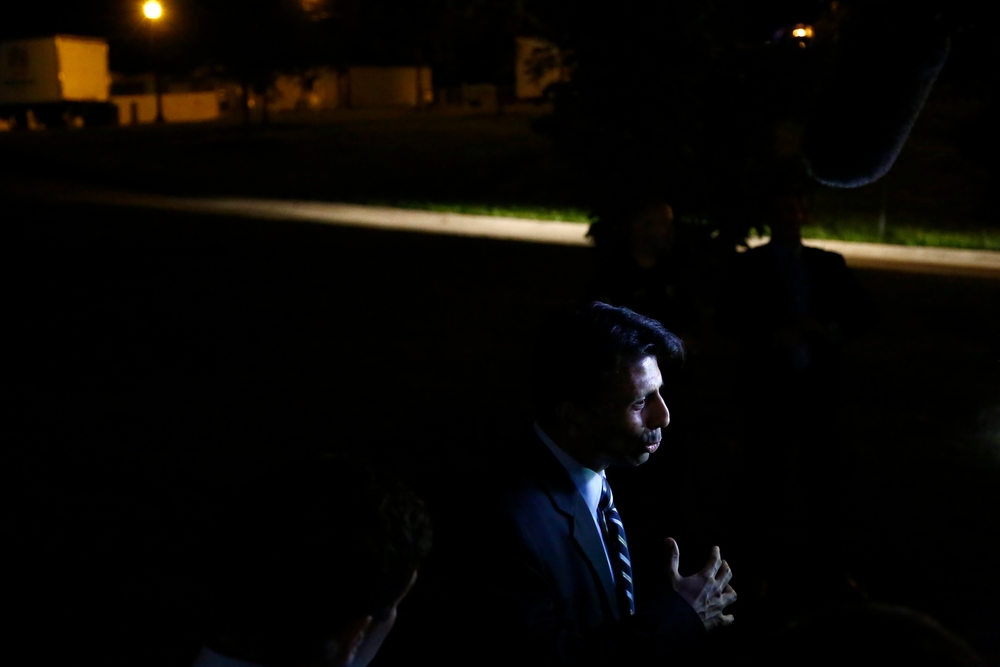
x,y
724,575
720,601
717,620
716,603
675,557
713,564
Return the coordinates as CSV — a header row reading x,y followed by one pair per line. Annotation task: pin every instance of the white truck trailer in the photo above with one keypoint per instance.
x,y
56,81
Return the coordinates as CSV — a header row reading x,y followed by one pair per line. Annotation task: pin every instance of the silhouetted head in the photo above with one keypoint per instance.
x,y
311,562
597,375
785,213
652,228
632,219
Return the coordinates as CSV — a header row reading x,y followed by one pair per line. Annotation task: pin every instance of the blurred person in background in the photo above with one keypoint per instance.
x,y
311,563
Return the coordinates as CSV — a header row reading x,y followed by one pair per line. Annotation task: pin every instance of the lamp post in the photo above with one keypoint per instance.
x,y
153,11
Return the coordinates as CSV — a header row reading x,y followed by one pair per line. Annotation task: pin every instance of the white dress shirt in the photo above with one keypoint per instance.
x,y
588,482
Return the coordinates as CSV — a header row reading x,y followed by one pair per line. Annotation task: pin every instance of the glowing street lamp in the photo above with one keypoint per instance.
x,y
153,11
802,31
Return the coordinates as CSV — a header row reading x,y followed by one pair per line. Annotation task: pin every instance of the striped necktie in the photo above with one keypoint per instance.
x,y
614,538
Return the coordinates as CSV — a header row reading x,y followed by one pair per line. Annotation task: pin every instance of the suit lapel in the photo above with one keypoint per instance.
x,y
567,500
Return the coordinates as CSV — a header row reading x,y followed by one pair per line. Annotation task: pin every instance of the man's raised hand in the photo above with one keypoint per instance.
x,y
708,592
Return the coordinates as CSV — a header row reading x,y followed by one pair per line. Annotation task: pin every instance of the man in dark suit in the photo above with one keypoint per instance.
x,y
553,551
791,308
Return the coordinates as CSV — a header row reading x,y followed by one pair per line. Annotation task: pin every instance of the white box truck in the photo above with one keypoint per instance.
x,y
56,81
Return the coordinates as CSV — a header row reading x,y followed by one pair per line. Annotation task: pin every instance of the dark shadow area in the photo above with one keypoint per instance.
x,y
159,359
398,156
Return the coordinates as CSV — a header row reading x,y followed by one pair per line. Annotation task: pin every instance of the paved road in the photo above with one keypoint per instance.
x,y
911,259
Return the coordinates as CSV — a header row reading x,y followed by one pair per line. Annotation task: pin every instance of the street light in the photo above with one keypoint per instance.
x,y
153,11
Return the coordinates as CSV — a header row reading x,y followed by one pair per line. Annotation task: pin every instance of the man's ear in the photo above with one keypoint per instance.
x,y
350,638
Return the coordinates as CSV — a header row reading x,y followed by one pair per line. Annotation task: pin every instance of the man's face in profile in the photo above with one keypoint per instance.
x,y
626,425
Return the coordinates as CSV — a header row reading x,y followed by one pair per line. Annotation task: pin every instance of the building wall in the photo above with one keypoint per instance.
x,y
319,89
315,90
374,87
54,69
327,91
287,93
83,69
177,107
29,72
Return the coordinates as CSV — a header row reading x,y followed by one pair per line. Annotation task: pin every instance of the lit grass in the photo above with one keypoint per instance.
x,y
909,235
510,211
859,231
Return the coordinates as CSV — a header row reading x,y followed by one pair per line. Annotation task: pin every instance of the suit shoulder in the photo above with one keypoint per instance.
x,y
825,256
759,254
754,259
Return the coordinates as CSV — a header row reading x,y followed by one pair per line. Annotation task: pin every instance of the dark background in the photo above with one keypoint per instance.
x,y
156,359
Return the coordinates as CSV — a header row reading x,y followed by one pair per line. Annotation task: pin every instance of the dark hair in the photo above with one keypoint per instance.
x,y
309,548
578,351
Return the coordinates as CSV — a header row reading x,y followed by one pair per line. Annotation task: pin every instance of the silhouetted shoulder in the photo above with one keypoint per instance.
x,y
827,257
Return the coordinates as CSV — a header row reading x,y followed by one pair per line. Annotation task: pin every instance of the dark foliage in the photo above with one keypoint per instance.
x,y
699,104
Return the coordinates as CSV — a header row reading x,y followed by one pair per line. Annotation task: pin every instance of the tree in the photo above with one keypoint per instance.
x,y
678,101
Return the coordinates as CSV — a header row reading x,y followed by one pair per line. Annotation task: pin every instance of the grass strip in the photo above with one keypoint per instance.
x,y
908,235
848,230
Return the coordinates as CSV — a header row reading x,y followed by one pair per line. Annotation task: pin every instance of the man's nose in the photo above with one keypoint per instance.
x,y
659,414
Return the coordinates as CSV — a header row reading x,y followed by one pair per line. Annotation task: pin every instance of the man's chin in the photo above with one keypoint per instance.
x,y
642,458
650,449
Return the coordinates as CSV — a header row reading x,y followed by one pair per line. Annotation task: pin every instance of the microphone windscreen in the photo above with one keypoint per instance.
x,y
886,67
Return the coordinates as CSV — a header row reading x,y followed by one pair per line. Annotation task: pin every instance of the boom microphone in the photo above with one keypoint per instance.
x,y
890,56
